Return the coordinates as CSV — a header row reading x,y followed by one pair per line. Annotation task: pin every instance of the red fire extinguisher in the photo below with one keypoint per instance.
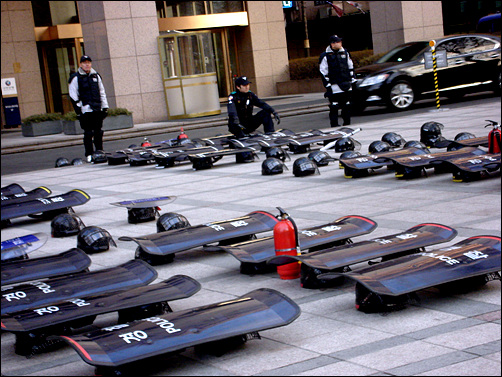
x,y
146,142
182,135
286,243
494,137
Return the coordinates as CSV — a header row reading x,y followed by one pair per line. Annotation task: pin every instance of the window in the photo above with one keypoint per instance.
x,y
166,9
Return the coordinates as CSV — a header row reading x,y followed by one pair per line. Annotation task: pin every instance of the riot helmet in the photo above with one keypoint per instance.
x,y
132,146
393,139
277,152
62,161
66,224
416,144
378,146
272,166
141,215
244,157
303,166
464,136
93,239
350,154
171,220
320,158
77,161
430,133
346,144
99,157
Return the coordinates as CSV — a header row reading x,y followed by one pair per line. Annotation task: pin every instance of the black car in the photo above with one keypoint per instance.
x,y
399,78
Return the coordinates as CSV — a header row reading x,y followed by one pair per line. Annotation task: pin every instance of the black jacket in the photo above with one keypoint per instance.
x,y
240,107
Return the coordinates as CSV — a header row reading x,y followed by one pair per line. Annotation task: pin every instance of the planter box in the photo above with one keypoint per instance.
x,y
116,122
43,128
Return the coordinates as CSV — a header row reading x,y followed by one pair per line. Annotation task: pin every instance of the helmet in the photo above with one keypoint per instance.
x,y
345,144
61,161
349,154
277,152
141,215
320,158
171,220
65,224
393,139
272,166
430,133
92,239
303,166
464,136
132,146
77,161
416,144
378,146
99,157
244,157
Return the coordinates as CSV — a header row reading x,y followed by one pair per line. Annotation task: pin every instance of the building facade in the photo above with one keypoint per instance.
x,y
131,43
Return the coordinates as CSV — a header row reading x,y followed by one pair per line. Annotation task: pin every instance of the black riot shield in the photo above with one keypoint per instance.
x,y
39,192
131,274
258,310
68,262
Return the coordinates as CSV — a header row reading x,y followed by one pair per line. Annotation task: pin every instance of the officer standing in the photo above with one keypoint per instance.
x,y
241,120
88,97
337,72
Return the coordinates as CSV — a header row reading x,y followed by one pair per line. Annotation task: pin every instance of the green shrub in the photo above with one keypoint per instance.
x,y
72,115
38,118
308,68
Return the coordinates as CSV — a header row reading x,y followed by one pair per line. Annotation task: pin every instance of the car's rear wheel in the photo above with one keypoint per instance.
x,y
401,95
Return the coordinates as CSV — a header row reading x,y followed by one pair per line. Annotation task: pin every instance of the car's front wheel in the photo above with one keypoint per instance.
x,y
401,95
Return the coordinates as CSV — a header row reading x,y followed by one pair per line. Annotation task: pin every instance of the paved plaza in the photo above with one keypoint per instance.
x,y
439,335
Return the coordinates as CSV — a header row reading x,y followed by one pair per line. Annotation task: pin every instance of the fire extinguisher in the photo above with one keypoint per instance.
x,y
286,243
146,142
182,135
494,137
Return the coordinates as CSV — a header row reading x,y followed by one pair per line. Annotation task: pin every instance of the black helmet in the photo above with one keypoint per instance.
x,y
77,161
345,144
141,215
350,154
99,157
416,144
378,146
62,161
277,152
93,239
464,136
65,224
170,221
393,139
430,133
320,158
272,166
244,157
303,166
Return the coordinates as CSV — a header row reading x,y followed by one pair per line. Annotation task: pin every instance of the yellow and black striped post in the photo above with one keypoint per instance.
x,y
434,67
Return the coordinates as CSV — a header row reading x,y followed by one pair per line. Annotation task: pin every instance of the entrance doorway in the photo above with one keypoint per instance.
x,y
225,48
58,59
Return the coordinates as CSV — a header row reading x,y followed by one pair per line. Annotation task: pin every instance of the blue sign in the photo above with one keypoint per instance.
x,y
287,4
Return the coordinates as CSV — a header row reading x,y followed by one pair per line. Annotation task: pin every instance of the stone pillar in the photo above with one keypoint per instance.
x,y
397,22
121,38
264,55
20,56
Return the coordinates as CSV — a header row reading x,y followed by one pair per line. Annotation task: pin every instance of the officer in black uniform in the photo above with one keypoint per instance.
x,y
337,72
88,98
241,120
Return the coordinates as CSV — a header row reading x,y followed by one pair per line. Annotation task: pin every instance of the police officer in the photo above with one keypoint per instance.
x,y
337,72
241,120
88,97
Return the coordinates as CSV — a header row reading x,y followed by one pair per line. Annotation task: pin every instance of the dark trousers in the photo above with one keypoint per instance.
x,y
262,117
339,101
92,123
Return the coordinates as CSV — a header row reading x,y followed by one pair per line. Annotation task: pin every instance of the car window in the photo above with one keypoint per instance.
x,y
466,45
404,53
